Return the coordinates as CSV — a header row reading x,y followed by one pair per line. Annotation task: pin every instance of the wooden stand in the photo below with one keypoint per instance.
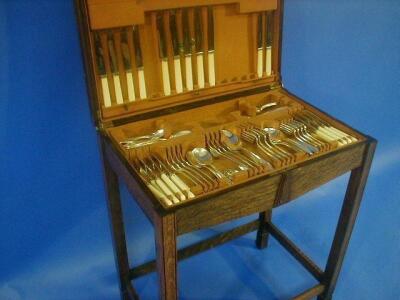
x,y
166,232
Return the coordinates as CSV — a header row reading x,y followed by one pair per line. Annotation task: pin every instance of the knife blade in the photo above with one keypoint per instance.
x,y
102,70
199,47
139,62
114,69
163,56
268,39
259,47
127,65
211,47
187,45
176,50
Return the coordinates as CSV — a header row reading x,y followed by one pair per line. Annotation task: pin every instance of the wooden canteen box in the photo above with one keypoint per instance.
x,y
191,114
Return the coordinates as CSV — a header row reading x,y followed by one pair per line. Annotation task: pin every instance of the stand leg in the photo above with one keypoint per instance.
x,y
262,232
165,231
346,222
117,229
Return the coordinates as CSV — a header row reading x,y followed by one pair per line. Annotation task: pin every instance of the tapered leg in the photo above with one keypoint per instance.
x,y
262,232
346,222
165,231
117,229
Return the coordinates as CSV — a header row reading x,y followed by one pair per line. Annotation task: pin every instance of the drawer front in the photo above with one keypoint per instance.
x,y
230,205
309,176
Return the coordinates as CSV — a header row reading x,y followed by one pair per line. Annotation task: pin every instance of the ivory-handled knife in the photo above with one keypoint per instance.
x,y
199,48
269,33
114,69
102,71
128,66
139,63
211,47
187,44
259,47
177,58
163,56
158,193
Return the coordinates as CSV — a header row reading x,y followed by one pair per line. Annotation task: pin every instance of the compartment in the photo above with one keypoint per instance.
x,y
195,153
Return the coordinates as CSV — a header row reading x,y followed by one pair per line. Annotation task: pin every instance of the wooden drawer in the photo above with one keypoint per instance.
x,y
310,175
244,200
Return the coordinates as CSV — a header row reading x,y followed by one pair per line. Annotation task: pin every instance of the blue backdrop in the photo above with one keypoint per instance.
x,y
342,56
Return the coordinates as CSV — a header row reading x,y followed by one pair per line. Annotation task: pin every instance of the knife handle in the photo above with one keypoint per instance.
x,y
260,62
131,88
118,90
211,68
268,62
142,84
189,74
173,187
178,75
106,91
165,77
166,190
200,70
159,195
182,186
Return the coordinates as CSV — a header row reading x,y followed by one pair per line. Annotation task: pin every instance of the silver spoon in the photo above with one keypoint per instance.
x,y
130,144
204,158
265,106
233,143
155,135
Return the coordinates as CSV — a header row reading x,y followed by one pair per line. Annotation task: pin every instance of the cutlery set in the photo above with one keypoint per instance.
x,y
120,65
264,43
193,118
185,40
229,153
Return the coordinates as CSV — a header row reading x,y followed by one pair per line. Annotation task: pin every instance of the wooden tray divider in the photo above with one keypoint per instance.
x,y
276,39
253,28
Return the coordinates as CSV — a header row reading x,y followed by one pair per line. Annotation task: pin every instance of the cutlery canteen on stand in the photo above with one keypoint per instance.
x,y
191,114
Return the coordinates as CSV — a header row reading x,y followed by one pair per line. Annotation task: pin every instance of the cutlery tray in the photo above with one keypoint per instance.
x,y
203,128
201,70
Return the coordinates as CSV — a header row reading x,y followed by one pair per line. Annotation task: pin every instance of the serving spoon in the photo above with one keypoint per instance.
x,y
235,144
203,157
151,138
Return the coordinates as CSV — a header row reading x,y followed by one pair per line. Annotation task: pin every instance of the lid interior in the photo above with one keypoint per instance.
x,y
149,55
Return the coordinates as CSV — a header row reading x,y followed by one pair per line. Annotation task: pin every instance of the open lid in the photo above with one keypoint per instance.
x,y
145,55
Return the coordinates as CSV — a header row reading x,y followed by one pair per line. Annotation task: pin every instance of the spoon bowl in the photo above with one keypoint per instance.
x,y
203,157
233,142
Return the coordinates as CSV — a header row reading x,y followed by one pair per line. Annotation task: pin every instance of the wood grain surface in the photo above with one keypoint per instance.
x,y
302,179
229,205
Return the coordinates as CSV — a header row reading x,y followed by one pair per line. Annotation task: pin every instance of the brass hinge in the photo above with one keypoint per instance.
x,y
102,125
275,86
